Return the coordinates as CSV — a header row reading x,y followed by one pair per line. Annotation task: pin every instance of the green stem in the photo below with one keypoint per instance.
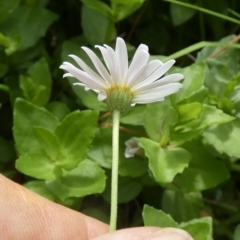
x,y
204,10
115,160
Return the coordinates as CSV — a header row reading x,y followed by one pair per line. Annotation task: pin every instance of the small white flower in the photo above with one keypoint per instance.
x,y
132,147
123,84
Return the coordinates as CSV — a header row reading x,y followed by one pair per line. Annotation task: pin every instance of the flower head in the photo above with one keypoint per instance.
x,y
122,84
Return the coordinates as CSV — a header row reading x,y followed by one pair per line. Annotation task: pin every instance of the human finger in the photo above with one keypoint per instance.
x,y
24,215
146,233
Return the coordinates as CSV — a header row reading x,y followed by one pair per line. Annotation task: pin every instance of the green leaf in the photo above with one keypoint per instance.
x,y
101,152
88,98
229,57
237,233
179,138
135,116
128,189
58,109
182,206
164,163
222,79
154,217
31,91
29,22
225,138
38,165
210,116
158,117
37,85
204,170
180,14
97,28
98,6
40,188
127,2
189,111
133,167
7,8
217,78
75,134
11,44
48,142
97,213
26,117
200,229
216,14
193,83
123,8
86,179
213,116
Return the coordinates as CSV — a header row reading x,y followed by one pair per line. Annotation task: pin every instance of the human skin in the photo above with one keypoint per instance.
x,y
24,215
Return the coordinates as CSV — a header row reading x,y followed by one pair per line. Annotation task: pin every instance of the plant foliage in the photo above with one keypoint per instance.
x,y
55,138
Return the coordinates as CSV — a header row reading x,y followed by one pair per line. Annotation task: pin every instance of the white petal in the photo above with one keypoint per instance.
x,y
67,65
80,84
148,100
86,88
157,74
67,75
140,59
98,64
162,81
142,47
157,93
83,77
108,59
145,72
87,69
122,56
132,147
101,97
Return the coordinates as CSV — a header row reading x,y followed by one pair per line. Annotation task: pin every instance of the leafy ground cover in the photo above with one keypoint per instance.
x,y
55,139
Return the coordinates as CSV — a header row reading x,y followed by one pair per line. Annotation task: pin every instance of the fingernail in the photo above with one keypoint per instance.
x,y
170,233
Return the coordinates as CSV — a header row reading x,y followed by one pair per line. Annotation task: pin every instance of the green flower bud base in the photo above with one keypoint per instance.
x,y
119,98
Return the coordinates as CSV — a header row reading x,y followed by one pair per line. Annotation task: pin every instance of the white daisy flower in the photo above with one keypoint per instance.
x,y
122,84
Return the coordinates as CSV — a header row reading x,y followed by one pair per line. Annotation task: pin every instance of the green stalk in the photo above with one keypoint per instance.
x,y
216,14
197,46
115,160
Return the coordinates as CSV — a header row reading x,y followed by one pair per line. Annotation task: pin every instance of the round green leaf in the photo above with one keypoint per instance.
x,y
204,170
158,218
38,165
182,206
225,138
165,163
199,229
86,179
27,116
75,134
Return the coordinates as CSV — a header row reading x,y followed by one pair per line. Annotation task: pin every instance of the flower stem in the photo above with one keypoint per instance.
x,y
115,160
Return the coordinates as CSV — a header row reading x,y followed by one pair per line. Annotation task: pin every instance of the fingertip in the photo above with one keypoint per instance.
x,y
147,233
170,234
